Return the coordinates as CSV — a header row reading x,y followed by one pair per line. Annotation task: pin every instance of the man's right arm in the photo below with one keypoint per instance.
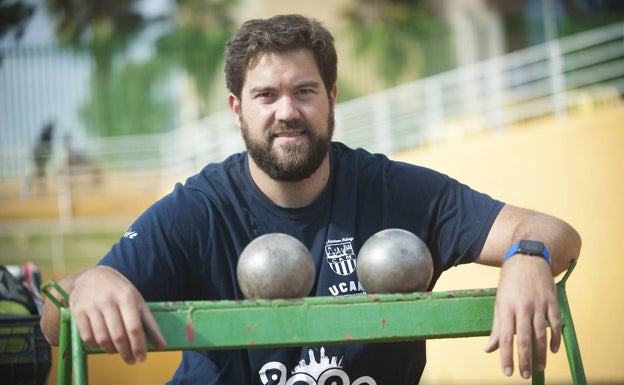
x,y
51,317
110,314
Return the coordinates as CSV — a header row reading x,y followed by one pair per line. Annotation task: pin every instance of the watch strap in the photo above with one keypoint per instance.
x,y
536,248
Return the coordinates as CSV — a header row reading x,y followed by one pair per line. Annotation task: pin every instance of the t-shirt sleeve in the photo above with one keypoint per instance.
x,y
153,252
454,218
463,219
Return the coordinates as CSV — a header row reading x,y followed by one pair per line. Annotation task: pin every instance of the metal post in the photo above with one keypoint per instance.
x,y
569,335
79,357
63,375
382,118
557,79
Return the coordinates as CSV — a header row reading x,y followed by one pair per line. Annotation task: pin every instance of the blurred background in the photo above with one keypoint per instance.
x,y
104,106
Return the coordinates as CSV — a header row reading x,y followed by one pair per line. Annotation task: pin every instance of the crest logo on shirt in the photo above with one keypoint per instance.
x,y
340,256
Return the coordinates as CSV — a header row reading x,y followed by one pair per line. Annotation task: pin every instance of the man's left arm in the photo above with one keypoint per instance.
x,y
526,297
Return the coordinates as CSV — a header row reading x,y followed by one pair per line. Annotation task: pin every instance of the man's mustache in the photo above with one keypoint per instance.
x,y
281,126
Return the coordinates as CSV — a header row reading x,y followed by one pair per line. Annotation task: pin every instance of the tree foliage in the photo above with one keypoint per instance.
x,y
129,96
13,17
198,42
396,34
95,20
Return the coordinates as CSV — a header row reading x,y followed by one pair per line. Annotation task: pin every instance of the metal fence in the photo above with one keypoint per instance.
x,y
552,78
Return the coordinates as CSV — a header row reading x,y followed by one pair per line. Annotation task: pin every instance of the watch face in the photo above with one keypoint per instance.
x,y
531,247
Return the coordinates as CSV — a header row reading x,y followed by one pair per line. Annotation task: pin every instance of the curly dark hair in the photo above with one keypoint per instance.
x,y
278,34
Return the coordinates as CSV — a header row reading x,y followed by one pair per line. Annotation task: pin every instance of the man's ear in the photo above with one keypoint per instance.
x,y
235,108
333,93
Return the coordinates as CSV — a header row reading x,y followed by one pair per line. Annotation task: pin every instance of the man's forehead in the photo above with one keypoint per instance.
x,y
304,72
272,56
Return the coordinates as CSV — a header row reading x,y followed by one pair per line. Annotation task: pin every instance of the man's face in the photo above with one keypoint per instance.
x,y
285,115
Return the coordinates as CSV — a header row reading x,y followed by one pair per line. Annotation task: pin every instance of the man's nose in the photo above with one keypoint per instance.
x,y
286,109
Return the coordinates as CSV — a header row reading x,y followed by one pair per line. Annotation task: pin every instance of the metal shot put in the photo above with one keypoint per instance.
x,y
394,261
275,265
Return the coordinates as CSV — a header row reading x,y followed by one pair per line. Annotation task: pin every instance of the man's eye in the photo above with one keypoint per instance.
x,y
264,96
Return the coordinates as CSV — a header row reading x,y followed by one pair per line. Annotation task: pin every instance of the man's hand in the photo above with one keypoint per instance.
x,y
526,299
110,313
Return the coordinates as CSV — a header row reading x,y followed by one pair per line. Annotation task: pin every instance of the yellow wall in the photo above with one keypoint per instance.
x,y
573,169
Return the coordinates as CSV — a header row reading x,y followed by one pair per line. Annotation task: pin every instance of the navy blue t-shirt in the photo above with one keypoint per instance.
x,y
186,247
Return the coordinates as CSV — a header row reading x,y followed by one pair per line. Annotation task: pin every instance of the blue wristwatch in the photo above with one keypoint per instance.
x,y
527,247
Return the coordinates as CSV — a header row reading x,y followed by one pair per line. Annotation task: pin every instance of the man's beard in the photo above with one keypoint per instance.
x,y
291,162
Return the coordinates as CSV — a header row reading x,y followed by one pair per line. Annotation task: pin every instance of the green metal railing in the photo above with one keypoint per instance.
x,y
316,320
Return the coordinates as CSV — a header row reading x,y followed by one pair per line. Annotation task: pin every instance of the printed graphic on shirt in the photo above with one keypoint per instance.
x,y
347,288
341,258
130,234
325,371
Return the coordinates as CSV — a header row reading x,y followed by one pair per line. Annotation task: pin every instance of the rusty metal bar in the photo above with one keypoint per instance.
x,y
375,318
326,320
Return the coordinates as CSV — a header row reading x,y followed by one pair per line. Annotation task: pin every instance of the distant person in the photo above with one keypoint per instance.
x,y
42,153
43,149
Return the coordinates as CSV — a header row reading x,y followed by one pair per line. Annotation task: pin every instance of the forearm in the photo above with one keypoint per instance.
x,y
51,316
514,224
561,239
